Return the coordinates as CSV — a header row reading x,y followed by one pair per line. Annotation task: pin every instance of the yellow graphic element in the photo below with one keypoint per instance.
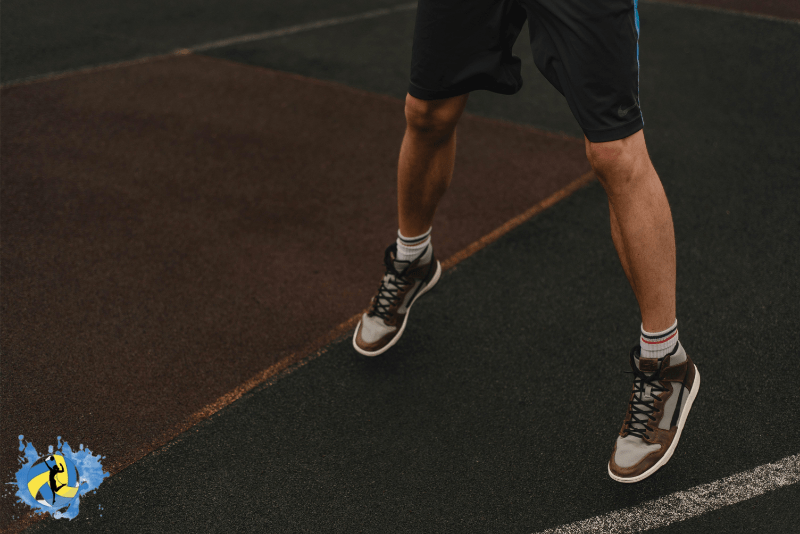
x,y
61,478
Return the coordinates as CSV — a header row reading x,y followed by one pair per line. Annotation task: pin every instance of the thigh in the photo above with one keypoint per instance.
x,y
465,45
589,50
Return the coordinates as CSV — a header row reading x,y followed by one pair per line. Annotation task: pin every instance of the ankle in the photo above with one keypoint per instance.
x,y
410,248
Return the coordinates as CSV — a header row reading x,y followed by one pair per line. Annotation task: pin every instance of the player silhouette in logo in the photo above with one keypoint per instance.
x,y
54,470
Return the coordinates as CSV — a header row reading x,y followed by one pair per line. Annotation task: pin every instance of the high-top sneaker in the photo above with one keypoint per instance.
x,y
663,392
403,283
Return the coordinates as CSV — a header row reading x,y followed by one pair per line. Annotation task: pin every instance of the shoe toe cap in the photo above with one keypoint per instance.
x,y
372,330
631,450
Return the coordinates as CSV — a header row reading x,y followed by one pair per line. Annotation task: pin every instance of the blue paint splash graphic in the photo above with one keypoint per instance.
x,y
90,473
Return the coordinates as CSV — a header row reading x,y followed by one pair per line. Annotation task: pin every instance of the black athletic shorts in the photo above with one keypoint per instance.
x,y
588,50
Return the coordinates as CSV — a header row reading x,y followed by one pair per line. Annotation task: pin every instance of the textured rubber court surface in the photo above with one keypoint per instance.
x,y
176,229
194,271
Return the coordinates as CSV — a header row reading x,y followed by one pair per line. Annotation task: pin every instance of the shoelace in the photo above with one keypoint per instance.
x,y
640,406
391,284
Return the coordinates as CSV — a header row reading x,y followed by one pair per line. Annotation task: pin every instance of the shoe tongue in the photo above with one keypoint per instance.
x,y
390,280
647,394
647,365
400,266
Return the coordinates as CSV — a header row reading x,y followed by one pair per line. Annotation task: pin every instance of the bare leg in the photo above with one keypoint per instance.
x,y
641,225
427,156
616,236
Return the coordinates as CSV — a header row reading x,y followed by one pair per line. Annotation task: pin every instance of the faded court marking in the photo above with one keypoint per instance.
x,y
290,30
249,38
683,505
301,28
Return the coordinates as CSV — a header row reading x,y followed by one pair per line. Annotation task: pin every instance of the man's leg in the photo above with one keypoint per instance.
x,y
665,378
427,156
641,225
424,172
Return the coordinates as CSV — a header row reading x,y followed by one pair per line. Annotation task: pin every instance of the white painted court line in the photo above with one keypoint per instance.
x,y
302,27
249,38
683,505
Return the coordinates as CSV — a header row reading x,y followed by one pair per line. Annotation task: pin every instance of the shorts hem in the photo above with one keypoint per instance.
x,y
462,89
616,133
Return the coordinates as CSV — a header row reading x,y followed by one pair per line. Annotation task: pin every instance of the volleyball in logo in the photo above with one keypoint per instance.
x,y
53,481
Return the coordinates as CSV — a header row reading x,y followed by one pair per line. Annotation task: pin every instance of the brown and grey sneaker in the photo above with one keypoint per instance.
x,y
403,283
663,392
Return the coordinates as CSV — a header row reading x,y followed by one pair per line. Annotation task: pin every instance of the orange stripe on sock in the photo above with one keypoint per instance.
x,y
662,341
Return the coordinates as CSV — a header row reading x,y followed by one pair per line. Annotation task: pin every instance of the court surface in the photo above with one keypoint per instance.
x,y
195,203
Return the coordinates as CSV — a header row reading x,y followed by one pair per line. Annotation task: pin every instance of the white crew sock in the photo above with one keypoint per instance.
x,y
408,248
658,344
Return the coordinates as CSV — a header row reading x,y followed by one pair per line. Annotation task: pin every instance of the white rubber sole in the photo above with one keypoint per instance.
x,y
664,459
394,340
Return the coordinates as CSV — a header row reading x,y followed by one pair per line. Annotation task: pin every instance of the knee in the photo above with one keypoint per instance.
x,y
435,119
615,162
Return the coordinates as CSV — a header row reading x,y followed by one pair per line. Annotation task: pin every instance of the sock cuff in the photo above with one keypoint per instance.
x,y
411,252
658,344
413,241
659,337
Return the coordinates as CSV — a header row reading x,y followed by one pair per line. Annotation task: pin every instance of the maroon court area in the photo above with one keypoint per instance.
x,y
175,227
